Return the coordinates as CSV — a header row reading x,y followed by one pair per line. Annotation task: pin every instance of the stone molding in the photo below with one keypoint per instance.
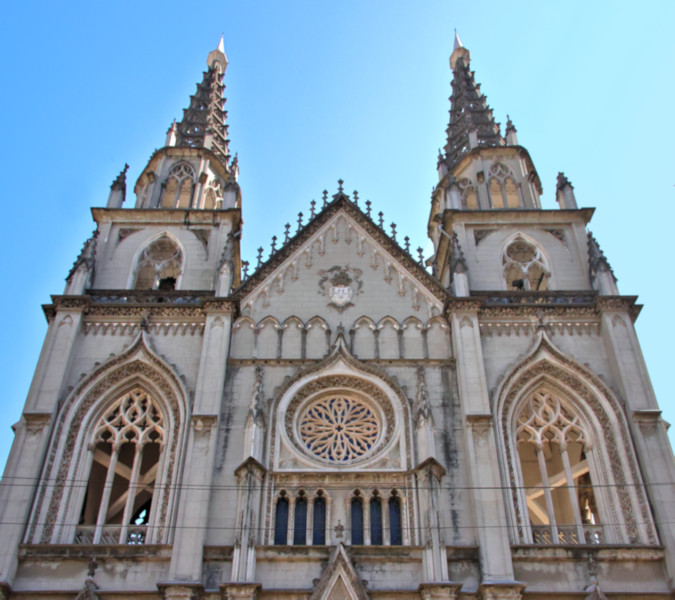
x,y
240,591
512,590
439,591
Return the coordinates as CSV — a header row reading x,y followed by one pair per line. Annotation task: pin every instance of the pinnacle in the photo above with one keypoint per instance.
x,y
458,42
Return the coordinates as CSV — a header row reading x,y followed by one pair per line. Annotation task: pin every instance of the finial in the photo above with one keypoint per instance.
x,y
420,254
299,221
260,252
120,182
368,203
562,181
274,244
325,198
312,207
381,219
406,239
393,231
356,198
287,235
340,182
458,42
244,265
217,57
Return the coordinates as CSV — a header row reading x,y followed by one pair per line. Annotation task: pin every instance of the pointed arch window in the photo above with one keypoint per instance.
x,y
178,187
213,197
356,514
469,196
376,525
552,445
395,531
319,521
504,192
159,265
281,521
524,266
300,521
127,445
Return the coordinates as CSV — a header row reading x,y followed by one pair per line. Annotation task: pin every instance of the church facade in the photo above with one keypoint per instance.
x,y
345,420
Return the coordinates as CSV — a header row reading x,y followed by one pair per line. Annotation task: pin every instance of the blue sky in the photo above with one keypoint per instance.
x,y
319,91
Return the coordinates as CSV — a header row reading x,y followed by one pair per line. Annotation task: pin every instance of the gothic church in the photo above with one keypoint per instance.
x,y
343,419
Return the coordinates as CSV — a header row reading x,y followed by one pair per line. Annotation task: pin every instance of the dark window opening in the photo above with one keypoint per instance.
x,y
357,521
281,522
300,525
319,533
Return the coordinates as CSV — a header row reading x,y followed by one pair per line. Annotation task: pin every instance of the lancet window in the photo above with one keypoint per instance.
x,y
503,189
552,445
126,446
524,266
469,195
159,265
376,521
178,187
213,196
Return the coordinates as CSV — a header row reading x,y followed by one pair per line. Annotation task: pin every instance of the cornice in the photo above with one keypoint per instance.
x,y
496,217
166,216
137,305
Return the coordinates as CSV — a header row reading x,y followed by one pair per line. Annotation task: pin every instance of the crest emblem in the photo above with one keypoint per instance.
x,y
340,285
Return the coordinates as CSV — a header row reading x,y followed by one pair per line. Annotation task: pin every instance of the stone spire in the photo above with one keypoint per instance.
x,y
203,124
471,121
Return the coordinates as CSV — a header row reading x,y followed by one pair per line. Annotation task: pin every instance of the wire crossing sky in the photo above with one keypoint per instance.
x,y
321,91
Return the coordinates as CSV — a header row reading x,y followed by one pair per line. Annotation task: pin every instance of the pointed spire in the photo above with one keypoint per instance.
x,y
458,42
471,121
203,124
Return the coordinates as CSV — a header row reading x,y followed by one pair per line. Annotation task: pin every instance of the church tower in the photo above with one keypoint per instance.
x,y
346,421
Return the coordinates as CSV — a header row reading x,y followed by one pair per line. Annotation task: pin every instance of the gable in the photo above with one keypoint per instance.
x,y
342,272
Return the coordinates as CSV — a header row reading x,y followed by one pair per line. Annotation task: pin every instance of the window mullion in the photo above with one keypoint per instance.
x,y
107,491
572,490
131,493
547,492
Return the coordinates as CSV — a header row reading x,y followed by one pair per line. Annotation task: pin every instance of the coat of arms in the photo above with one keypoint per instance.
x,y
340,284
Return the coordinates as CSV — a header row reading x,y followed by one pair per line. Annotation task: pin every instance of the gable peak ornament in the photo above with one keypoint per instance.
x,y
340,285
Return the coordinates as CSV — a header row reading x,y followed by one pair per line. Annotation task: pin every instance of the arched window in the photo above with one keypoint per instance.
x,y
524,266
281,521
503,188
159,265
552,445
469,196
395,532
319,524
357,520
300,521
178,187
213,197
126,449
376,533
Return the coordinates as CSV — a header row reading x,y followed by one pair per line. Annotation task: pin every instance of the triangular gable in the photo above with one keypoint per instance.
x,y
397,265
339,580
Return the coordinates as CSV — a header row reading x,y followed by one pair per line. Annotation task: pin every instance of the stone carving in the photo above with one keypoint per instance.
x,y
340,285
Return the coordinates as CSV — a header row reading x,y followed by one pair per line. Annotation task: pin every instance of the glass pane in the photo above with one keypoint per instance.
x,y
281,522
300,525
357,521
319,534
376,522
395,533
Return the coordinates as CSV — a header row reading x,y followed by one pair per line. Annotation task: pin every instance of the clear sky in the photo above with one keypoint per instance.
x,y
319,91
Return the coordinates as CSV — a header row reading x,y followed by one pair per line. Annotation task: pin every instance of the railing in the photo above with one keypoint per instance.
x,y
149,297
550,298
110,534
567,534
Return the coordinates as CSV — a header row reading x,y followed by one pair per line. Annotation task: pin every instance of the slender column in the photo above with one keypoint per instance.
x,y
543,474
572,491
131,494
365,505
290,532
105,497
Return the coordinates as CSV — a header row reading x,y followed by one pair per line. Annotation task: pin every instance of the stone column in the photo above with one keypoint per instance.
x,y
481,448
193,508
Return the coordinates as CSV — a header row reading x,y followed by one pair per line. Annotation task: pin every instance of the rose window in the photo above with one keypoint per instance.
x,y
338,428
